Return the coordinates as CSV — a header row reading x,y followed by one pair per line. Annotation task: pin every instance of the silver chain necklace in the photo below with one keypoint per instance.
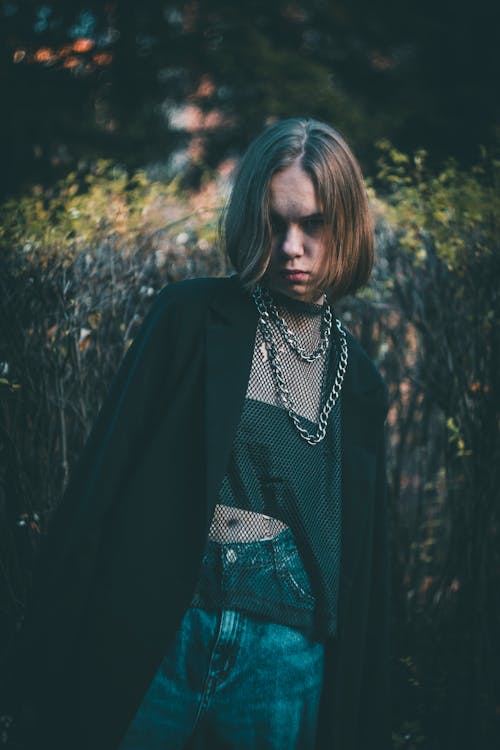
x,y
265,303
279,378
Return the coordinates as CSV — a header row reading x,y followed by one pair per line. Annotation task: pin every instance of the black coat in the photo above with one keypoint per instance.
x,y
125,546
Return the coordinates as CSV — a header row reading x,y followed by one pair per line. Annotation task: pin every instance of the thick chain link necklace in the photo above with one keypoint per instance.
x,y
266,313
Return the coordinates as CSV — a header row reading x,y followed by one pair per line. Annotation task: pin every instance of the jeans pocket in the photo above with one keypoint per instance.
x,y
296,580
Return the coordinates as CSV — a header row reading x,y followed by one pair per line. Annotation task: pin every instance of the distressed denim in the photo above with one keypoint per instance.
x,y
230,680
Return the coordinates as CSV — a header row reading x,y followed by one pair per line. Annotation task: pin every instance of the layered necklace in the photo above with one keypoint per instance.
x,y
269,315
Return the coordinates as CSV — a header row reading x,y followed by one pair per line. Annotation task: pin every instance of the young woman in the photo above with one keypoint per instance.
x,y
217,573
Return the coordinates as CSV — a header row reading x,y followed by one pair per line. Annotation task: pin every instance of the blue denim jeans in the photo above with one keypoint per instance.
x,y
233,681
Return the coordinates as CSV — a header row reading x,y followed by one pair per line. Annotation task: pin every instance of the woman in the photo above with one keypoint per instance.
x,y
217,573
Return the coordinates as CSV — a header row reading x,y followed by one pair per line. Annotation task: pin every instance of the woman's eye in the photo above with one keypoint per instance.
x,y
277,226
313,225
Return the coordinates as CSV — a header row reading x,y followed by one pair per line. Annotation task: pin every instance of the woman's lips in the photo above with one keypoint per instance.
x,y
294,275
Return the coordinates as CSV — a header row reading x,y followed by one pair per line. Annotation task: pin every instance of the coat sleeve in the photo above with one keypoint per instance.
x,y
122,424
375,728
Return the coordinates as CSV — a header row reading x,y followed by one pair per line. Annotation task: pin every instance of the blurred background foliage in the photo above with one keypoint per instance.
x,y
121,125
140,82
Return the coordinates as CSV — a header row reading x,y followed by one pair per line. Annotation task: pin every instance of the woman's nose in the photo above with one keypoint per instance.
x,y
292,241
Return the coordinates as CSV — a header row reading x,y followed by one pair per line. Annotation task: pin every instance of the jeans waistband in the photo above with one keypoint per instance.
x,y
261,553
264,578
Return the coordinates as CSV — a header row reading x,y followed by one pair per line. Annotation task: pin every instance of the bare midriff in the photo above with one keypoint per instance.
x,y
237,525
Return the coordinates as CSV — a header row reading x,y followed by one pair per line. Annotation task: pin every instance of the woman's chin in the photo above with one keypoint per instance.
x,y
295,289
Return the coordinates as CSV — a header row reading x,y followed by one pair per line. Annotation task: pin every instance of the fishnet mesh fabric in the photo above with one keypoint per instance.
x,y
276,481
305,381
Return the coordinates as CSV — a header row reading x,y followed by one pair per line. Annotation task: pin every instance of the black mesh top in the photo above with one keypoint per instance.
x,y
274,475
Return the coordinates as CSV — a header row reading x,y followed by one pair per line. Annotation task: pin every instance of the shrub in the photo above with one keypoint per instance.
x,y
81,264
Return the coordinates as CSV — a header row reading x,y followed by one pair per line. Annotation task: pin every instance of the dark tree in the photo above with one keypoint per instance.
x,y
85,79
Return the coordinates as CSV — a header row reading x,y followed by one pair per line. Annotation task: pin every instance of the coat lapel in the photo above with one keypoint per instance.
x,y
230,337
361,420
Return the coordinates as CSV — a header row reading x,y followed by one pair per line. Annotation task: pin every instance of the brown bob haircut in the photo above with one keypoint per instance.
x,y
335,173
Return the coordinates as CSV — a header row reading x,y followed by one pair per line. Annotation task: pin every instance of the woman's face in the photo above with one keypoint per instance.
x,y
298,247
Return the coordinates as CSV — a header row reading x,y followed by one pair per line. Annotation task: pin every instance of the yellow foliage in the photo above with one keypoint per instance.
x,y
107,203
456,212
